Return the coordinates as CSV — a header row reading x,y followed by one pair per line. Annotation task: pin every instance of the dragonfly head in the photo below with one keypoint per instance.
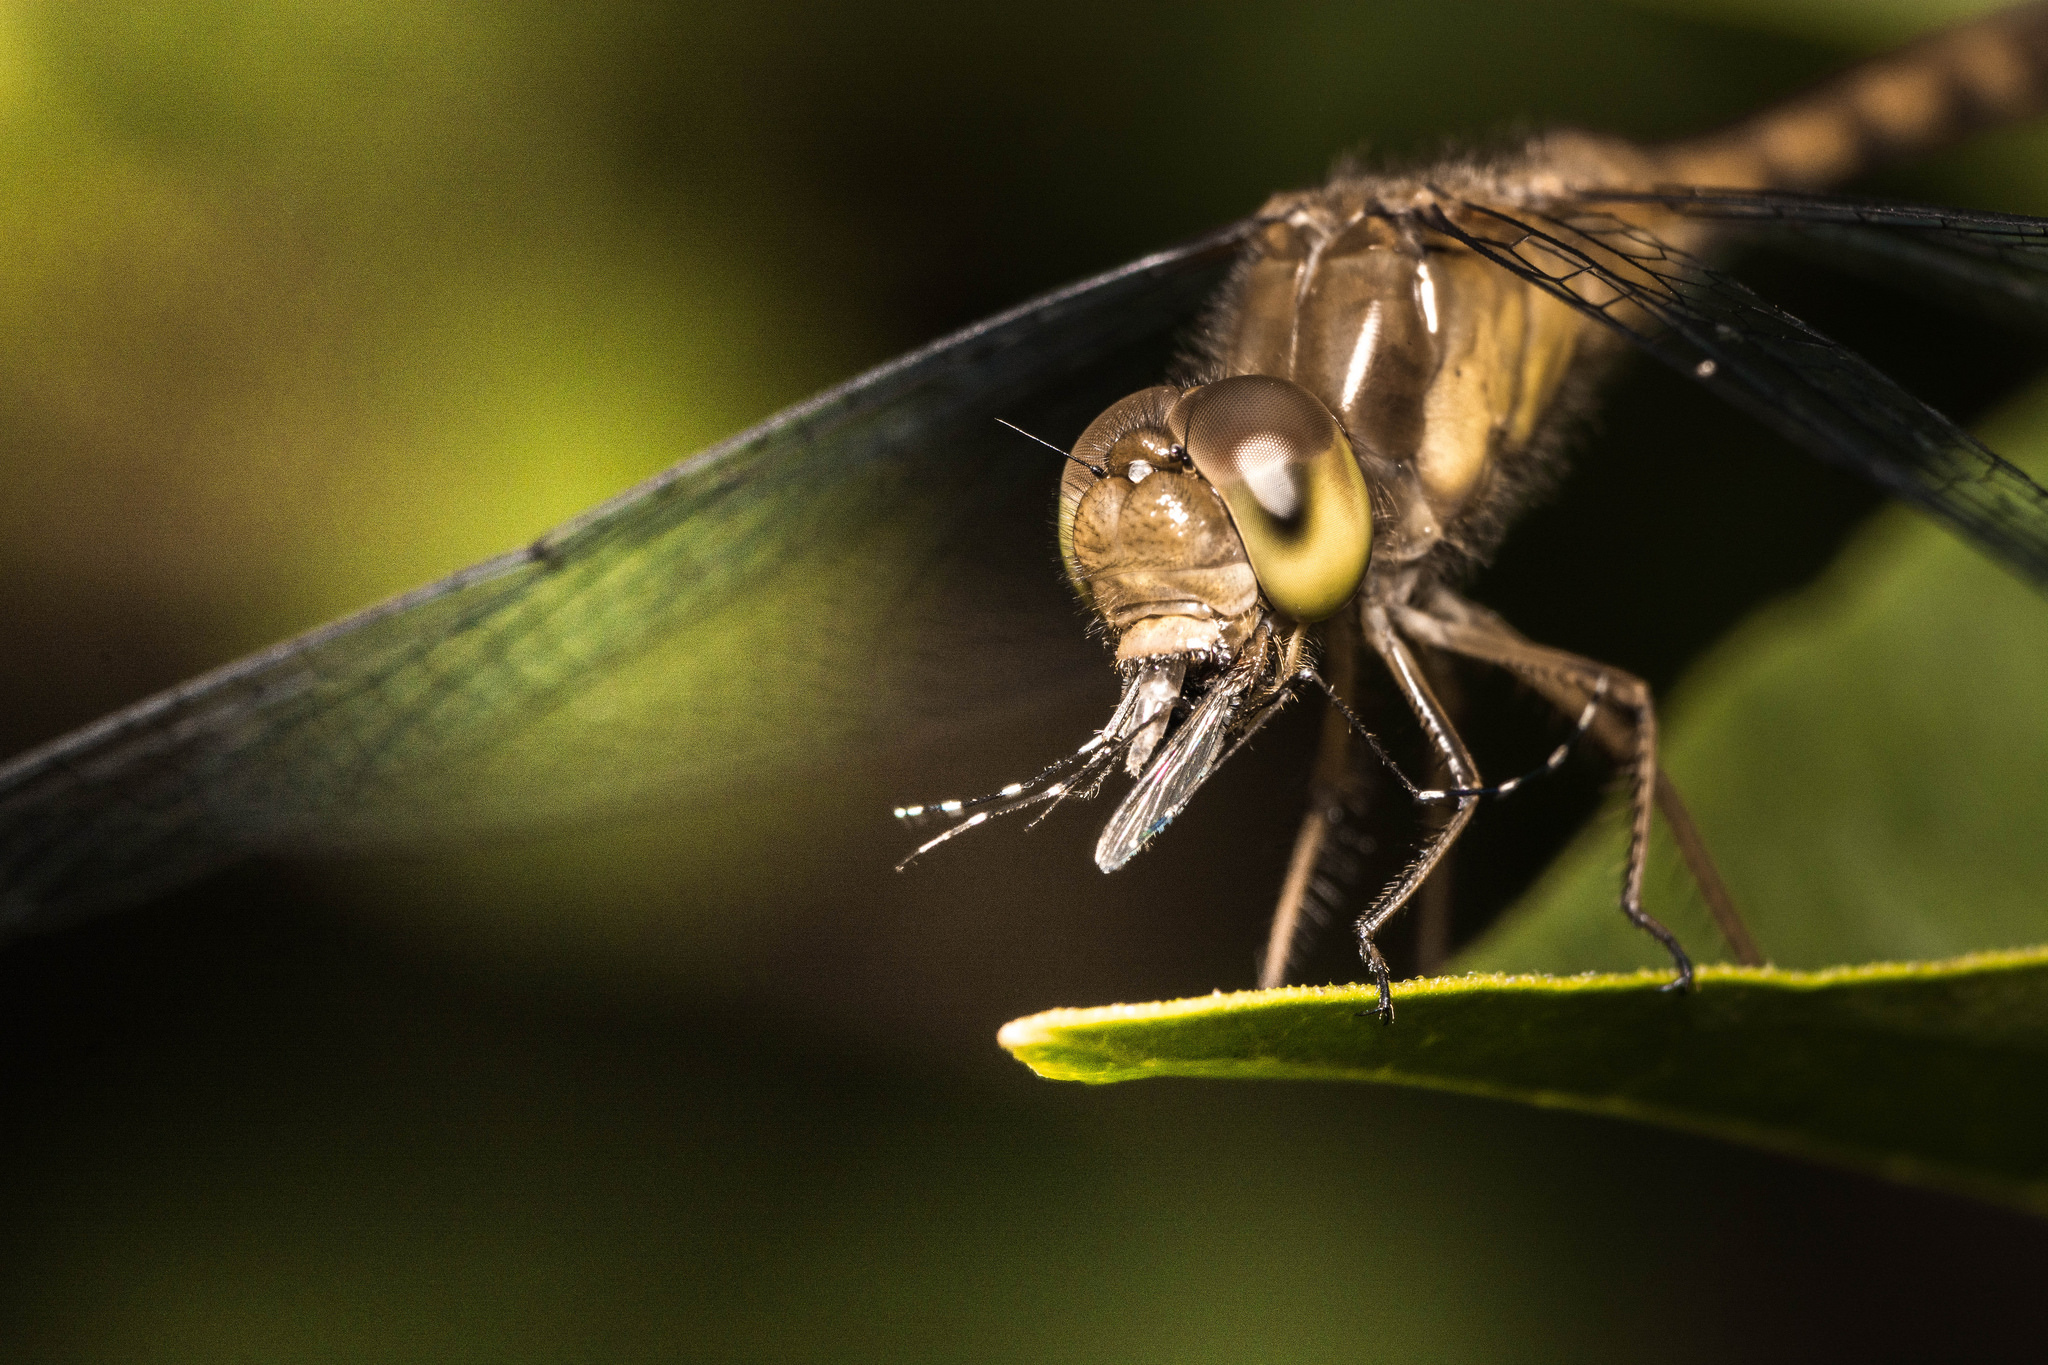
x,y
1189,520
1149,542
1186,514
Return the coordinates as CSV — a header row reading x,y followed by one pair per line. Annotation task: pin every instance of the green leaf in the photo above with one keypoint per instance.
x,y
1931,1073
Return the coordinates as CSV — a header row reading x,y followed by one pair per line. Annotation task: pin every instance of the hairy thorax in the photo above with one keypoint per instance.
x,y
1448,374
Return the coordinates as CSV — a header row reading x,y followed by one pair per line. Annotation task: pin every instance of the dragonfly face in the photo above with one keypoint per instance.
x,y
1182,509
1187,519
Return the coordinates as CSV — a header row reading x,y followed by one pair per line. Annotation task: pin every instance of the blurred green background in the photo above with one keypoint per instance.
x,y
304,304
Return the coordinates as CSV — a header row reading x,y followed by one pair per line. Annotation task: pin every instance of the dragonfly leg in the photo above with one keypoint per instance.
x,y
1692,848
1333,785
1615,737
1407,674
1460,629
1433,899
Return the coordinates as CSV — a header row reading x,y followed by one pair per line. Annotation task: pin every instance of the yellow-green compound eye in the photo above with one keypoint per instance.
x,y
1292,485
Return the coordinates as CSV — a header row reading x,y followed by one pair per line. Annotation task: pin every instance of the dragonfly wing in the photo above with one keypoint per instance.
x,y
812,587
1819,394
1996,261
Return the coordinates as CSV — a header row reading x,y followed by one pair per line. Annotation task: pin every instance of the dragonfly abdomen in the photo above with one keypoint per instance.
x,y
1925,96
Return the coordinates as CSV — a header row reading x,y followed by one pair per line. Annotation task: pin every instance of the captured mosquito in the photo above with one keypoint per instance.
x,y
1133,734
1236,703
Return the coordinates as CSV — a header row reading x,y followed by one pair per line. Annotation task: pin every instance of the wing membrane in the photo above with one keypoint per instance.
x,y
1997,261
1187,759
740,614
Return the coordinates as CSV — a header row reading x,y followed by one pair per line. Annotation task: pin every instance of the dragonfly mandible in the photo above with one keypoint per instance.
x,y
414,709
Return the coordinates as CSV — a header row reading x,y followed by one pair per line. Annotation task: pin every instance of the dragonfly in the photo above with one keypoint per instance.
x,y
782,584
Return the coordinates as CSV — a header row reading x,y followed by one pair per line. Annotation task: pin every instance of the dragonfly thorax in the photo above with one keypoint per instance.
x,y
1439,366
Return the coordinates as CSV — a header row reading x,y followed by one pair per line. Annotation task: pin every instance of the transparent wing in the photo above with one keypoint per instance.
x,y
815,586
1706,324
1997,261
1189,757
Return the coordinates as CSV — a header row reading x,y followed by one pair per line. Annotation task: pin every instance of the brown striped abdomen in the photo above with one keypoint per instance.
x,y
1982,74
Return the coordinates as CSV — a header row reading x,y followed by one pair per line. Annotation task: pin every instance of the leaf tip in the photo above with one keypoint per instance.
x,y
1018,1034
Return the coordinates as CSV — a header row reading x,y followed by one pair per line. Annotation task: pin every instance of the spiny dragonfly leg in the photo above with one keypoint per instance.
x,y
1693,849
1614,735
1333,785
1468,634
1400,662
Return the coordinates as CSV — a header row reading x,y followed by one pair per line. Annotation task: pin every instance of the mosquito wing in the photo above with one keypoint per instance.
x,y
1189,757
803,590
1824,397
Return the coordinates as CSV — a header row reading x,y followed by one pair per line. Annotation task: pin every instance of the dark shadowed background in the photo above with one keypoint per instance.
x,y
301,305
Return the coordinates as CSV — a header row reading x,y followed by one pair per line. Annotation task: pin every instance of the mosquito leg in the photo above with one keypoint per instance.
x,y
1444,739
1465,635
1330,786
1612,735
1588,714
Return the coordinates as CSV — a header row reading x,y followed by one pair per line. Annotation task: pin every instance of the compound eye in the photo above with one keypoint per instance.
x,y
1291,483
